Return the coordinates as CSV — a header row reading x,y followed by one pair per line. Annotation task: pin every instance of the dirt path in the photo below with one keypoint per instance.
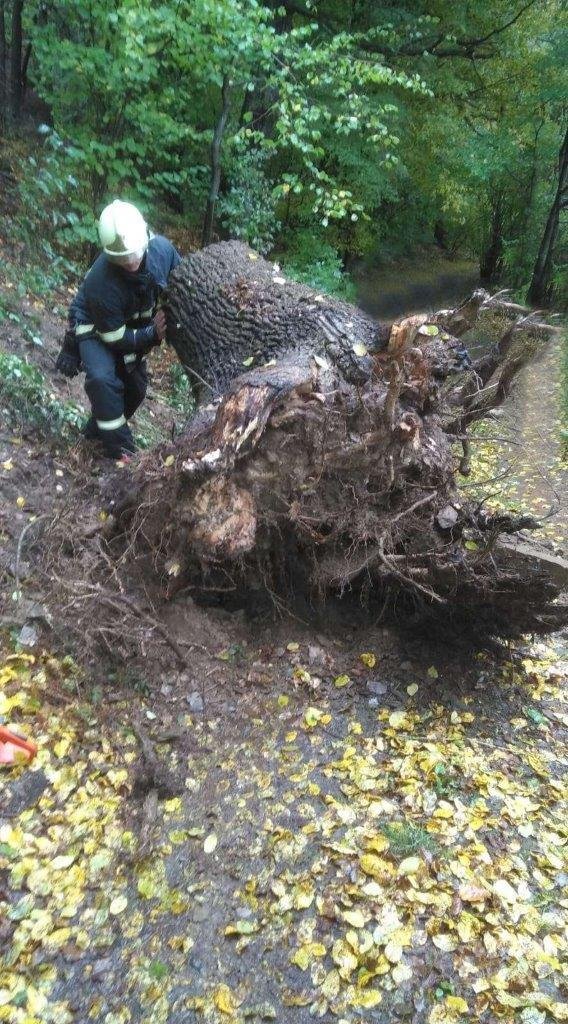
x,y
363,842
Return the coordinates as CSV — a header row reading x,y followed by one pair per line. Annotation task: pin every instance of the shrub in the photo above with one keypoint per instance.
x,y
313,261
26,400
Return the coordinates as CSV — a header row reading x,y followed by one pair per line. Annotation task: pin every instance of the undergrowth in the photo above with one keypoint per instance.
x,y
25,400
406,839
179,394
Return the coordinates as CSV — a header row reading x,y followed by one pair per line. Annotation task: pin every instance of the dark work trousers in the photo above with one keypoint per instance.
x,y
115,391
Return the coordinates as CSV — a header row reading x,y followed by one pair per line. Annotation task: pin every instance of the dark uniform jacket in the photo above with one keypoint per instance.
x,y
117,307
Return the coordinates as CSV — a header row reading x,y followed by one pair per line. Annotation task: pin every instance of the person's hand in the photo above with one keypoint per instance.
x,y
67,364
160,324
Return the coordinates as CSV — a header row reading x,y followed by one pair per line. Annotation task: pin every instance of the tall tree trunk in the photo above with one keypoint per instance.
x,y
3,66
25,66
540,290
216,160
528,200
491,259
16,59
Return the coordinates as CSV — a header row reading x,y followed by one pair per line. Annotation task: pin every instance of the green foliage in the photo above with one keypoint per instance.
x,y
179,392
26,400
247,207
315,262
344,122
406,839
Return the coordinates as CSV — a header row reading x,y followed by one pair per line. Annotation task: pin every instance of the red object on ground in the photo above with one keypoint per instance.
x,y
11,744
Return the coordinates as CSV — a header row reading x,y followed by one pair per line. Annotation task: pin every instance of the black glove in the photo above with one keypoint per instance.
x,y
68,361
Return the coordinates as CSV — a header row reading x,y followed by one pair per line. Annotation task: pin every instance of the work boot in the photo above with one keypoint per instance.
x,y
90,431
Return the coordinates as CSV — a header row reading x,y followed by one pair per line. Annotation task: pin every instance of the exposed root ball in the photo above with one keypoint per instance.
x,y
331,463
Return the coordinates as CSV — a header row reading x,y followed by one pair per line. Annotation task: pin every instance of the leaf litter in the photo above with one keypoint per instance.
x,y
372,863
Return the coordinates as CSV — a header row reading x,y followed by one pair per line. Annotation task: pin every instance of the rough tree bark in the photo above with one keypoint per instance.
x,y
323,456
216,161
3,66
540,290
16,84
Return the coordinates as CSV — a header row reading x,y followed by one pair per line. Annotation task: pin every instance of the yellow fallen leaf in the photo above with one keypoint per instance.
x,y
314,715
398,720
224,1000
393,951
8,465
360,349
344,958
304,956
20,502
210,843
355,918
505,891
293,646
340,681
401,973
412,689
375,866
408,866
118,904
368,659
537,765
331,984
457,1004
366,998
63,861
169,460
432,672
447,943
57,938
378,844
253,255
471,893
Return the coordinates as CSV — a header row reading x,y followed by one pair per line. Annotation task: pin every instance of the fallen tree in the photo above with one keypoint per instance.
x,y
325,455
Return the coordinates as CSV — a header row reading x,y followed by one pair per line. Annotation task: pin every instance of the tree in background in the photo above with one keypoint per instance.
x,y
330,130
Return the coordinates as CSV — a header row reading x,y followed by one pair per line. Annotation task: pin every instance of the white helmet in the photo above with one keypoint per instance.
x,y
123,230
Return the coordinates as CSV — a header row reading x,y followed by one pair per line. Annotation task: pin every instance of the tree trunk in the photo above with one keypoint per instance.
x,y
528,200
25,66
540,290
491,260
3,66
329,464
16,59
216,161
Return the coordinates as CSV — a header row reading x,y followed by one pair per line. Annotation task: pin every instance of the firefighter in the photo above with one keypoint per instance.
x,y
114,321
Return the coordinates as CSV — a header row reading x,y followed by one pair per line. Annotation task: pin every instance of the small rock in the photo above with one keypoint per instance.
x,y
28,635
195,701
377,687
243,912
23,793
316,655
447,517
101,968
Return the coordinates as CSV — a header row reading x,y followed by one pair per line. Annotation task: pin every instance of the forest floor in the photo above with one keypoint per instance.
x,y
353,823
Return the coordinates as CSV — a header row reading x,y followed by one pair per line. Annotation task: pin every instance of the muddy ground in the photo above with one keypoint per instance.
x,y
345,821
